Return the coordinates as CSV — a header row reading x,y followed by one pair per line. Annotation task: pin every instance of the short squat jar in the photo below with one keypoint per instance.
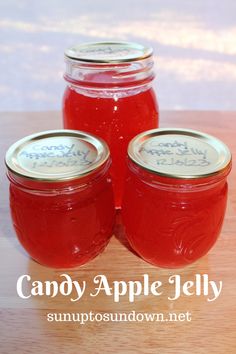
x,y
109,93
61,196
175,195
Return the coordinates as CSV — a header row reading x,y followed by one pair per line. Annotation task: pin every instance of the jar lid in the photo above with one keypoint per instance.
x,y
108,52
56,155
179,153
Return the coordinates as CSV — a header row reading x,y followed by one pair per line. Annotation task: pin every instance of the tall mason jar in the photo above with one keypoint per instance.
x,y
109,93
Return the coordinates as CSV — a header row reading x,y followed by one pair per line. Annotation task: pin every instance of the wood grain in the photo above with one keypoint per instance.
x,y
24,327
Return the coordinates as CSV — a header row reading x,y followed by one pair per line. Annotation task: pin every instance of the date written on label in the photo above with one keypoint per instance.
x,y
65,163
185,162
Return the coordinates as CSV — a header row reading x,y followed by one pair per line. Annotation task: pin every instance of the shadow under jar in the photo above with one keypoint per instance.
x,y
61,196
175,195
110,94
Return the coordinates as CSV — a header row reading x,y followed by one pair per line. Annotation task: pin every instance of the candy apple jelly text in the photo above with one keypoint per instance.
x,y
110,94
61,196
175,195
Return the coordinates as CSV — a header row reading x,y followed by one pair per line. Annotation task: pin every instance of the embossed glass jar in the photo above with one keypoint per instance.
x,y
175,195
109,93
61,196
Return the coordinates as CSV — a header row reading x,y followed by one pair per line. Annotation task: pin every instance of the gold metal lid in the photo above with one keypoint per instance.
x,y
179,153
108,52
56,155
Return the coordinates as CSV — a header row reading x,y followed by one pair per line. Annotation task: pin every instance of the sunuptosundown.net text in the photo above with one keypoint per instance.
x,y
133,316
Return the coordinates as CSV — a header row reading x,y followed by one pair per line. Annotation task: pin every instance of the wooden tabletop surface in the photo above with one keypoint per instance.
x,y
24,327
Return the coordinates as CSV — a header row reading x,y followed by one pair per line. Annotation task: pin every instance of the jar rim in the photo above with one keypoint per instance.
x,y
99,65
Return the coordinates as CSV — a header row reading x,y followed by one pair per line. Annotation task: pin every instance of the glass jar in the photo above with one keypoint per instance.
x,y
175,195
61,196
110,94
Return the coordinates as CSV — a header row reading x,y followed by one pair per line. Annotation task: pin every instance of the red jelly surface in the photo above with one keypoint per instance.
x,y
167,224
116,120
63,230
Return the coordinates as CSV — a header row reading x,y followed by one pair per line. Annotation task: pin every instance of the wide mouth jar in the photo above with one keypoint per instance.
x,y
110,65
175,195
61,196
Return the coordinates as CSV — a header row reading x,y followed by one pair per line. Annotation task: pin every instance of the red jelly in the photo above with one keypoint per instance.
x,y
175,195
61,196
109,94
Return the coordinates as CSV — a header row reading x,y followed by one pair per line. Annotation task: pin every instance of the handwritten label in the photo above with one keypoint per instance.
x,y
178,154
57,155
106,51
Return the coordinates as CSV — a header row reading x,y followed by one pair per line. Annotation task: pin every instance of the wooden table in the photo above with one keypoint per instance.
x,y
24,327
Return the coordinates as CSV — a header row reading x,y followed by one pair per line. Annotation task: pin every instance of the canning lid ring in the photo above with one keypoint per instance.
x,y
108,52
180,153
57,155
